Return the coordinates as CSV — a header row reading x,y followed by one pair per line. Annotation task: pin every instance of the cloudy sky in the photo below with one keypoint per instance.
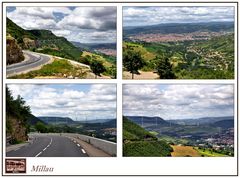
x,y
81,24
77,101
143,16
178,101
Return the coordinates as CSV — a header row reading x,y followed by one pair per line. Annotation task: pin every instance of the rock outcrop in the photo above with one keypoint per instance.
x,y
14,51
17,131
28,43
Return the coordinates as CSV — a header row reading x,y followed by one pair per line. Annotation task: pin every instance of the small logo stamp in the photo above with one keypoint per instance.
x,y
15,166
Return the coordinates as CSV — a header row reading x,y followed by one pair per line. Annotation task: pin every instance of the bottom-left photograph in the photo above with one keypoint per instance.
x,y
60,120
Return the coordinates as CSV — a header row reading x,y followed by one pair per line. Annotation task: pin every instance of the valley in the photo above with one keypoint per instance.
x,y
139,142
194,137
183,51
100,128
20,122
175,37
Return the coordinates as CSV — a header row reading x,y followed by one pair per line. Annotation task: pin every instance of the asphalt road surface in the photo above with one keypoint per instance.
x,y
49,146
33,60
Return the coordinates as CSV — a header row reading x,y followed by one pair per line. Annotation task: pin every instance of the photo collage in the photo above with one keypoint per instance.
x,y
143,86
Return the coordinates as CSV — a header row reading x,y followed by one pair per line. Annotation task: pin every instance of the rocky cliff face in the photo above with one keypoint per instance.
x,y
28,43
14,52
17,130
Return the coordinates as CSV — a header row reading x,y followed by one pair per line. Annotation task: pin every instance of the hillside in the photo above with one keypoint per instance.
x,y
197,59
191,128
17,32
94,46
56,120
148,121
179,28
112,123
200,121
95,121
17,118
139,142
33,120
225,124
43,41
109,62
184,139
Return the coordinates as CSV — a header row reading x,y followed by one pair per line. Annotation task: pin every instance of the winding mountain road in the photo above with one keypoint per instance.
x,y
47,145
32,60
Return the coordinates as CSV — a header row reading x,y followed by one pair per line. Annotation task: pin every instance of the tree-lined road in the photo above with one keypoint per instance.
x,y
46,145
34,60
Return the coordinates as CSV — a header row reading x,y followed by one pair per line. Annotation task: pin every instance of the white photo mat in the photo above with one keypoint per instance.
x,y
126,165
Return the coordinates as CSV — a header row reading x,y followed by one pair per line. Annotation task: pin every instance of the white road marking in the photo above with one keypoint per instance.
x,y
44,148
38,154
16,149
83,151
50,142
78,145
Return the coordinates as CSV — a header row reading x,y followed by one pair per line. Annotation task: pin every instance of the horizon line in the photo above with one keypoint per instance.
x,y
180,23
178,119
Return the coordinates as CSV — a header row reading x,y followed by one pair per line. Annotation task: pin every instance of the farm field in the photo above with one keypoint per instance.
x,y
184,151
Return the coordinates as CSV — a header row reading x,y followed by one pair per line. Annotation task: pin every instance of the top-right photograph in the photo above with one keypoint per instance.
x,y
192,42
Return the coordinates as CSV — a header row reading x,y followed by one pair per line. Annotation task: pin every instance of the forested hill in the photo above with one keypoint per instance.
x,y
43,41
139,142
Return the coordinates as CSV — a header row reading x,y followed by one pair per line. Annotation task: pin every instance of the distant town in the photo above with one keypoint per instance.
x,y
175,37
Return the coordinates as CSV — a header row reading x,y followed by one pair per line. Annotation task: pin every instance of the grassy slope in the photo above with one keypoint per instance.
x,y
97,57
224,45
209,153
139,142
57,68
48,43
146,54
106,61
16,31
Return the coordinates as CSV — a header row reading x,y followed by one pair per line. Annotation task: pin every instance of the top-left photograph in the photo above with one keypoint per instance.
x,y
61,42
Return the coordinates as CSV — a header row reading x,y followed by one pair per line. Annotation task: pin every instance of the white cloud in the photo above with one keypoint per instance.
x,y
178,101
82,24
61,32
140,16
98,101
72,94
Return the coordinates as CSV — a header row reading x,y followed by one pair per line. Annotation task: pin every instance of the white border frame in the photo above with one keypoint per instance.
x,y
129,165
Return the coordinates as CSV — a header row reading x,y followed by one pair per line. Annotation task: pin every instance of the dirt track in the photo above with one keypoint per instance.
x,y
142,76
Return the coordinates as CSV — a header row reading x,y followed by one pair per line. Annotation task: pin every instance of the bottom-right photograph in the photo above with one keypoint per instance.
x,y
178,120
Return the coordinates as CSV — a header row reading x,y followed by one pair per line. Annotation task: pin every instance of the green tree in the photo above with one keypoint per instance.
x,y
132,61
97,68
40,127
23,110
85,59
9,109
164,69
16,110
113,71
9,100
